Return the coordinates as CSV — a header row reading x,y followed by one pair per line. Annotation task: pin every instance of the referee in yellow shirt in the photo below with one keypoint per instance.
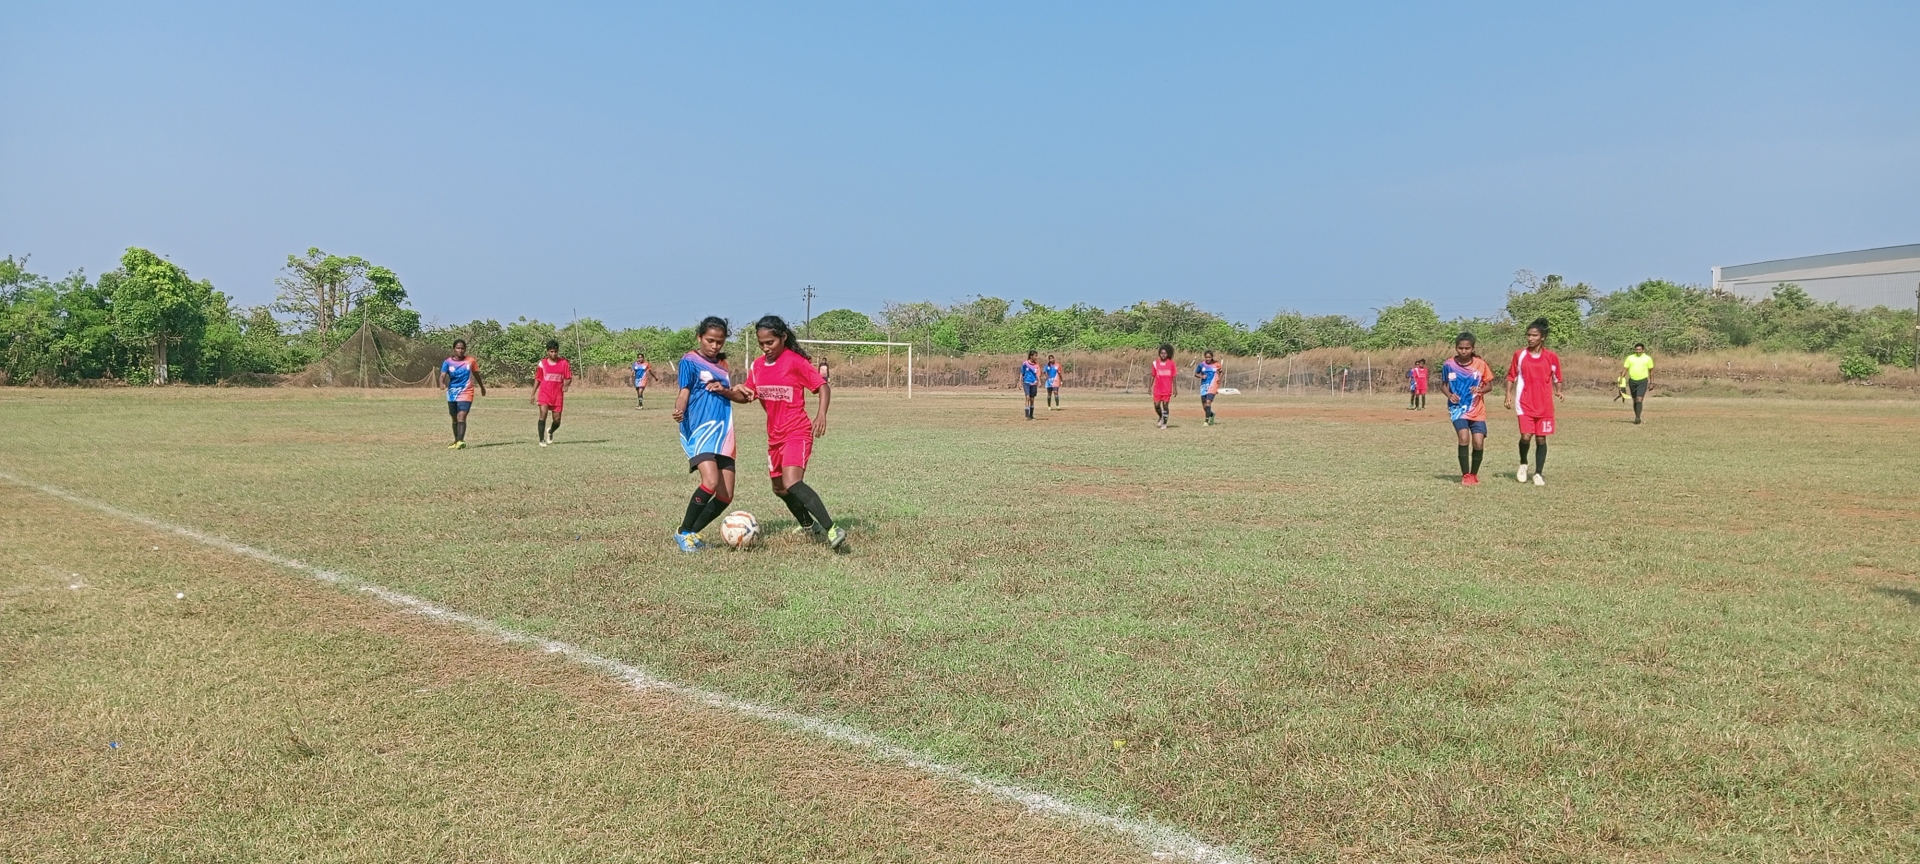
x,y
1639,366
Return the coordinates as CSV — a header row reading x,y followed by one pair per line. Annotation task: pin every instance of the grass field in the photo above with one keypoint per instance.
x,y
1700,642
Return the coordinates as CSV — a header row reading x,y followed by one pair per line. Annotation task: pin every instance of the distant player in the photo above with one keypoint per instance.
x,y
1207,371
704,410
1164,373
1052,370
551,378
1468,379
781,379
1533,382
1030,379
1417,385
640,370
1639,366
460,374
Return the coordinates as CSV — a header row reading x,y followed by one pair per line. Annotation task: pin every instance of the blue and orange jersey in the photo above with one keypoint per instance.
x,y
640,374
1029,372
459,377
707,426
1209,375
1462,381
1053,376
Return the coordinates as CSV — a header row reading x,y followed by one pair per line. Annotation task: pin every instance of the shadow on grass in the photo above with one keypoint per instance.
x,y
1907,594
593,441
495,444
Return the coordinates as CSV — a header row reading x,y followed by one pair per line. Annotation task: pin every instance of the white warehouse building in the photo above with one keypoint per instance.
x,y
1870,277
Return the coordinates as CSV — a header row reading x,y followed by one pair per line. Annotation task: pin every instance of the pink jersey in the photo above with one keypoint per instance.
x,y
1533,377
1163,375
782,386
1419,379
550,380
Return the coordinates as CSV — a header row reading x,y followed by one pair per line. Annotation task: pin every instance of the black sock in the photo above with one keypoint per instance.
x,y
695,507
715,507
1209,412
1523,450
1476,461
456,430
540,429
814,505
1636,409
1463,460
1540,457
798,509
554,426
460,430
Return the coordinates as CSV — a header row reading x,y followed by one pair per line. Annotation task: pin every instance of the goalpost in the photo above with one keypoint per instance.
x,y
888,345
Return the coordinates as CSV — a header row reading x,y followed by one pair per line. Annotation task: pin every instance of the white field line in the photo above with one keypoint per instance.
x,y
1165,842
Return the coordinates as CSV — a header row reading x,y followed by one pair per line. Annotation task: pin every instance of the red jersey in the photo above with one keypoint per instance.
x,y
782,386
1419,375
550,380
1533,377
1163,375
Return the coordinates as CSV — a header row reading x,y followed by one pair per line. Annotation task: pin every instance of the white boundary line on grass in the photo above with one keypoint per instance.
x,y
1166,843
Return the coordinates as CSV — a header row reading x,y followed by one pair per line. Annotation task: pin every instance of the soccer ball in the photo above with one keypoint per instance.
x,y
739,529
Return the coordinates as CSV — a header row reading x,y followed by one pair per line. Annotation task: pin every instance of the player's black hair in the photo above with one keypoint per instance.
x,y
1640,346
778,327
1467,337
1541,325
714,322
1165,347
1032,353
459,343
553,344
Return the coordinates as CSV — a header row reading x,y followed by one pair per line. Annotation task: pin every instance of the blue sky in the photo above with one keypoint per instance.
x,y
650,163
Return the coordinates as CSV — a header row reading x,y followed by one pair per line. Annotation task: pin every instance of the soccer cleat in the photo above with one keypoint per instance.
x,y
836,537
804,530
459,445
1469,479
454,446
690,542
1521,475
545,441
1539,480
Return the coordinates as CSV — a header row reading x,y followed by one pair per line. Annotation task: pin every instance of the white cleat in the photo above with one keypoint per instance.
x,y
544,442
1521,475
1539,480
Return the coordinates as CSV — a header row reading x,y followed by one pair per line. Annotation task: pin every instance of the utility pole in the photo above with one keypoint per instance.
x,y
809,324
1916,328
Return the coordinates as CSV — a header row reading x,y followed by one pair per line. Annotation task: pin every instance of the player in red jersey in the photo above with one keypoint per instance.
x,y
1533,383
1164,373
1417,385
780,380
551,378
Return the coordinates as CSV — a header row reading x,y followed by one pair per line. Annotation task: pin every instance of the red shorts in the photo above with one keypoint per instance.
x,y
554,402
1163,397
792,450
1536,425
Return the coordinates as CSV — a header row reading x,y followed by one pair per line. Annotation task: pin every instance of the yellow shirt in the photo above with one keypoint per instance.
x,y
1639,366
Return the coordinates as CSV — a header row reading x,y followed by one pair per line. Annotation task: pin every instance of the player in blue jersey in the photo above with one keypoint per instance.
x,y
460,374
1208,372
1030,379
1468,379
705,412
640,369
1052,369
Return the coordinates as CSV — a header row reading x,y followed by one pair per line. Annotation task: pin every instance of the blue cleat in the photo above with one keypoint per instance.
x,y
690,542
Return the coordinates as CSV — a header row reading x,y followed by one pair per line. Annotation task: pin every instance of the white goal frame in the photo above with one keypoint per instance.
x,y
888,345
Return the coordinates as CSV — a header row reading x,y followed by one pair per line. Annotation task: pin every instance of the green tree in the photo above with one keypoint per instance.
x,y
322,290
156,305
1552,299
1406,324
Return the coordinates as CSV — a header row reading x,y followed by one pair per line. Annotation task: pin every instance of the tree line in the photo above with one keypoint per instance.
x,y
148,321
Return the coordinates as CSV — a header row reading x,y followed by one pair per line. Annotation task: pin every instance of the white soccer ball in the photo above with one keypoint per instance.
x,y
739,529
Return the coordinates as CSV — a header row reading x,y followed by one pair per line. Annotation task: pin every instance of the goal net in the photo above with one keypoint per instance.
x,y
374,357
860,354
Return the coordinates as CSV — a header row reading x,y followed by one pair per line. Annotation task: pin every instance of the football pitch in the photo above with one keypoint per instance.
x,y
1293,634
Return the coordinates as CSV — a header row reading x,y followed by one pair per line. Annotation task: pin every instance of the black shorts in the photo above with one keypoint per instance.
x,y
1032,389
725,463
1638,388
